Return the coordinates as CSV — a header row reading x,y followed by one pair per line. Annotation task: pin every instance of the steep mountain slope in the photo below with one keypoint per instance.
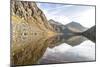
x,y
90,33
29,25
58,27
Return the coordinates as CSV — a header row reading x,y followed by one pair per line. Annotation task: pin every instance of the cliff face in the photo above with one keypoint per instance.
x,y
29,25
31,14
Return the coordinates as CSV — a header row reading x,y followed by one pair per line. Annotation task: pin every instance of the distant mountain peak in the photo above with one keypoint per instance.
x,y
74,23
55,22
76,27
51,20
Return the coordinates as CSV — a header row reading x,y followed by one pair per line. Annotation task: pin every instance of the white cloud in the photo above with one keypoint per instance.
x,y
85,15
86,18
68,1
62,19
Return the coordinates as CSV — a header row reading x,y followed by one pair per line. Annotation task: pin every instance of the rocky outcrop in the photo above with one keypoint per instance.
x,y
90,33
29,25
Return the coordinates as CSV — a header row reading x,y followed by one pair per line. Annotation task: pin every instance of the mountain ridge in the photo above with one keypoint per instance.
x,y
72,27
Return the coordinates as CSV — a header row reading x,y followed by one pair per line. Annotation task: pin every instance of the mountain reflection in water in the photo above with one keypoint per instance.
x,y
62,48
56,49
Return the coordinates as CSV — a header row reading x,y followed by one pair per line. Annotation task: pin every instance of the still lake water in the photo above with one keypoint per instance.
x,y
63,49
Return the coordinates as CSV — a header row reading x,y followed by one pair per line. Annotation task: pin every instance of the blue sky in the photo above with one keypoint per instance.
x,y
63,13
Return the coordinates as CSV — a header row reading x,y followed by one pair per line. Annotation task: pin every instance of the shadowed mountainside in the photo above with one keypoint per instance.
x,y
90,33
